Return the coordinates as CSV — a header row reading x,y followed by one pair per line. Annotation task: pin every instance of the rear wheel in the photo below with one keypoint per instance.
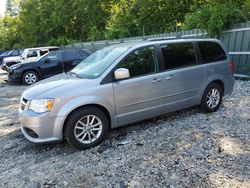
x,y
212,98
86,127
30,77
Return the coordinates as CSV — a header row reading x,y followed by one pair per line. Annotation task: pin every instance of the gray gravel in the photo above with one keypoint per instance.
x,y
181,149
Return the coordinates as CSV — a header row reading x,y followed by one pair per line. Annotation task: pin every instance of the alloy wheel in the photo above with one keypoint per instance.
x,y
88,129
213,98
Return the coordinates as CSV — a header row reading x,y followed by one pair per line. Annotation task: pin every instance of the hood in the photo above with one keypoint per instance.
x,y
24,61
56,86
13,58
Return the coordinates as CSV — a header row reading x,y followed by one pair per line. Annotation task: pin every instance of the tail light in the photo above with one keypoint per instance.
x,y
231,67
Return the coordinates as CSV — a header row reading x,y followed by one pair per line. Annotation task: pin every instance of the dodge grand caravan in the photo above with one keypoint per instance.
x,y
125,83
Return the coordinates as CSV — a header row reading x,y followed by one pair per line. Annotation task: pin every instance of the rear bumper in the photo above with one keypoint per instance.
x,y
229,85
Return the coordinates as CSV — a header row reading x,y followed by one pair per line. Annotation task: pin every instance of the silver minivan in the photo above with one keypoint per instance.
x,y
125,83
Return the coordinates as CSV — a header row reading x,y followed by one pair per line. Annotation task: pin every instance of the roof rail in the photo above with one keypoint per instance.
x,y
161,38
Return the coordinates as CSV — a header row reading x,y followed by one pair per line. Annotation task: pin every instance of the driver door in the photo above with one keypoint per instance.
x,y
141,95
51,64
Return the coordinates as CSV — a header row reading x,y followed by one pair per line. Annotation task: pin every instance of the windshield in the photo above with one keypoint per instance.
x,y
6,53
94,65
24,54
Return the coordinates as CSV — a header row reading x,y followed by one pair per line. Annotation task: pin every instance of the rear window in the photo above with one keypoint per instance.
x,y
178,55
211,52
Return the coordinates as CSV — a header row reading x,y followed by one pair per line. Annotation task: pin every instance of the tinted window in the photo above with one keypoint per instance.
x,y
140,62
69,55
211,51
178,55
42,52
53,49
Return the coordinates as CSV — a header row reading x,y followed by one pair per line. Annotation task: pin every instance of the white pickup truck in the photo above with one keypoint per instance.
x,y
29,54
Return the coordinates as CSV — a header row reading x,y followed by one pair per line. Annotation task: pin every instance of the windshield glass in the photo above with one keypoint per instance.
x,y
94,65
6,53
24,54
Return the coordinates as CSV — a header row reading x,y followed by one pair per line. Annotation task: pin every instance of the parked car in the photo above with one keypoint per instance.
x,y
48,65
2,51
126,83
28,55
10,53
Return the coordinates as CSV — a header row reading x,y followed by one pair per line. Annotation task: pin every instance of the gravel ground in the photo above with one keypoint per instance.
x,y
181,149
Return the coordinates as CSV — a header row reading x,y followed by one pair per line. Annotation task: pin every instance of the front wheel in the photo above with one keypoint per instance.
x,y
212,98
30,77
86,127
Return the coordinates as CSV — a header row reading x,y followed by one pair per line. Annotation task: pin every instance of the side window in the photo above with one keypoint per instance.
x,y
211,52
53,49
53,56
140,62
15,53
32,53
69,55
42,52
178,55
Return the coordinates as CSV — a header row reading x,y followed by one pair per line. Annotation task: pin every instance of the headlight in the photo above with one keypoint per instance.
x,y
41,105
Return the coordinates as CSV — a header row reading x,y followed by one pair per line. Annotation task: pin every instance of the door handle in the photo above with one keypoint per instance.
x,y
170,77
156,80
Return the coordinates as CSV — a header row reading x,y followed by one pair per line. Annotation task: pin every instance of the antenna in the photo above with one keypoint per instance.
x,y
60,52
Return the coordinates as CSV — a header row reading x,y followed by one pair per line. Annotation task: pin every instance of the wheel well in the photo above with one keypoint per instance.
x,y
220,83
85,106
30,70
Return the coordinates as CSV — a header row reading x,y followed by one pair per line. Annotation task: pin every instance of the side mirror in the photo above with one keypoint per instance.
x,y
47,60
121,73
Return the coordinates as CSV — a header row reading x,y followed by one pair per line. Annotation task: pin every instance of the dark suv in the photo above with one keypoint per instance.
x,y
49,65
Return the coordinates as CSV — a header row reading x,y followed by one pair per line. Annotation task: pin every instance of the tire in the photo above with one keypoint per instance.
x,y
212,98
78,131
30,77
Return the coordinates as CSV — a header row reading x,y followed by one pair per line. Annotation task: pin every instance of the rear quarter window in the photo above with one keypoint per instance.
x,y
211,52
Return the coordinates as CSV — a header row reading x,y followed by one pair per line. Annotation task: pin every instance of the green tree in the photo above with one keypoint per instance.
x,y
138,17
214,16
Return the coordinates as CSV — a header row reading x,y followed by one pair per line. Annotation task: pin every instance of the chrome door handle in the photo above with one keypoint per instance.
x,y
156,80
170,77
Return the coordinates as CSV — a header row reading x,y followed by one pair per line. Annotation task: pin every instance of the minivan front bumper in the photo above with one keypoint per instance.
x,y
40,128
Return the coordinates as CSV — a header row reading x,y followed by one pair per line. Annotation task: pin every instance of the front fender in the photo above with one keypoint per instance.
x,y
75,103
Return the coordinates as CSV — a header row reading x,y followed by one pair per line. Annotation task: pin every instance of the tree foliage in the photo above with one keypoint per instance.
x,y
215,16
30,23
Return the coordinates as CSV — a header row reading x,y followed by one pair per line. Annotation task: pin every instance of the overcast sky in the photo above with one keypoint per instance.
x,y
2,6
